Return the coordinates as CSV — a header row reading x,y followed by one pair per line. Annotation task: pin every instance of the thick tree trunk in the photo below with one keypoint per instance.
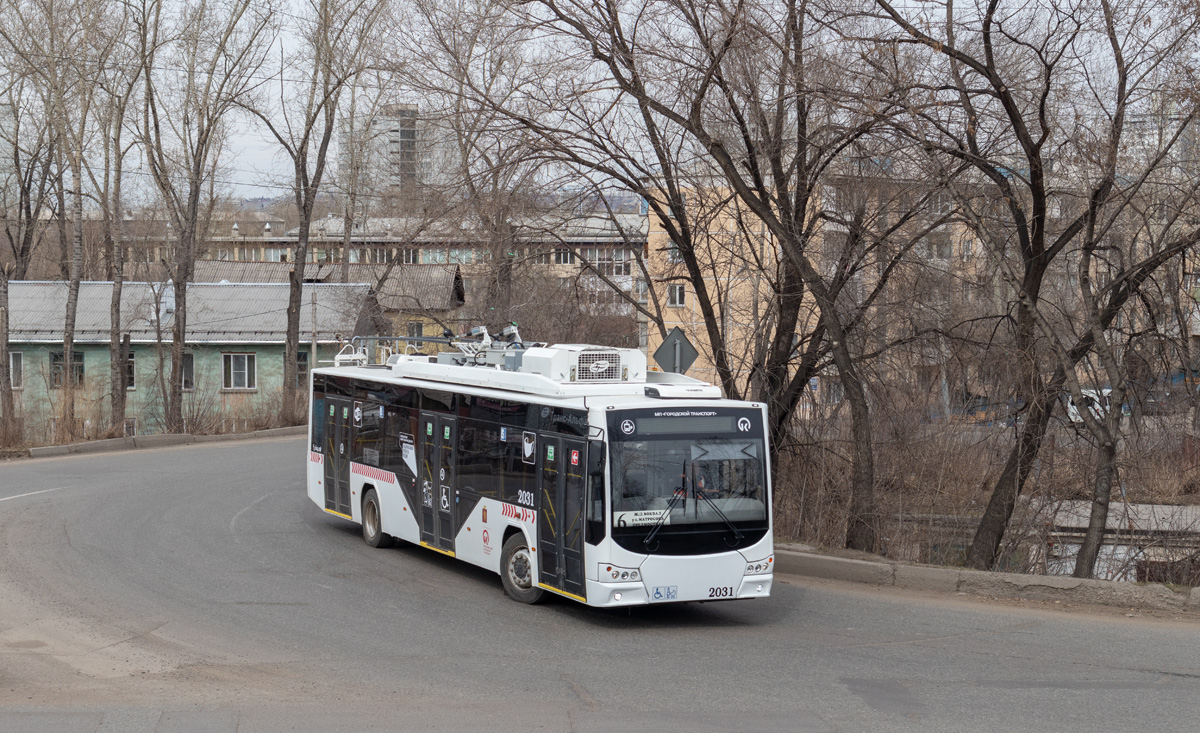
x,y
292,342
860,531
985,546
175,422
1093,539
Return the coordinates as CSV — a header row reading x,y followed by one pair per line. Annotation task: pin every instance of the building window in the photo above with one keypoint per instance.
x,y
416,329
239,371
940,202
302,369
410,256
564,256
939,246
130,373
608,261
189,371
56,368
676,296
15,363
462,256
434,257
541,257
674,256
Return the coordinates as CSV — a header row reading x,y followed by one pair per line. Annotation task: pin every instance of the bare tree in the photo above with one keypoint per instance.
x,y
338,39
752,102
26,194
197,67
118,84
1029,88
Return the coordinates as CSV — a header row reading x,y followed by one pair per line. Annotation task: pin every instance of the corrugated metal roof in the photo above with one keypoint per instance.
x,y
217,313
406,287
549,228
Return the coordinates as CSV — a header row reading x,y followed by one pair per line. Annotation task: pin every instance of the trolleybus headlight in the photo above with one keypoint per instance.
x,y
617,573
759,566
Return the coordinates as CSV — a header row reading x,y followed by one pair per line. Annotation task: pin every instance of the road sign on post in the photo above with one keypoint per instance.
x,y
676,353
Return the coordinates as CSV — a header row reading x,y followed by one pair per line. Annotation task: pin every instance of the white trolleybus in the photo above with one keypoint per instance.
x,y
567,469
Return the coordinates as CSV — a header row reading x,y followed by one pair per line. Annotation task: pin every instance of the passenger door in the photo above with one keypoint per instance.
x,y
560,514
438,495
337,455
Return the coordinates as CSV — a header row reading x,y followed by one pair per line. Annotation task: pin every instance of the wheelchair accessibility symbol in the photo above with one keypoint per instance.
x,y
665,592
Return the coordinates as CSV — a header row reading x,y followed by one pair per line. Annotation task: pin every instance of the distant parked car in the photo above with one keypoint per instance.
x,y
1097,401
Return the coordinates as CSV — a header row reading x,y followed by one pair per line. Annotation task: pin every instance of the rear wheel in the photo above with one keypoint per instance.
x,y
372,524
517,571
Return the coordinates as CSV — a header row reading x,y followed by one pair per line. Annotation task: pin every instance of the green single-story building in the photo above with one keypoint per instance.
x,y
233,359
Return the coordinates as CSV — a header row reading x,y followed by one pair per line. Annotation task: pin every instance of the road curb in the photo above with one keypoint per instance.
x,y
1152,596
156,441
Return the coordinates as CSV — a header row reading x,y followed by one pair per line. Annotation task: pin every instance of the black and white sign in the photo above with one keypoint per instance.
x,y
529,447
628,427
445,501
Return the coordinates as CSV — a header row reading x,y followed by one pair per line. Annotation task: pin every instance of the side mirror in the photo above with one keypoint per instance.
x,y
595,459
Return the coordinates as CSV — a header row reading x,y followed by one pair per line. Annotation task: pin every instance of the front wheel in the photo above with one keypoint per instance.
x,y
372,524
517,571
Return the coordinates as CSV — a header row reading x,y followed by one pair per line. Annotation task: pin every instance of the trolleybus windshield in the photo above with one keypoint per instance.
x,y
688,482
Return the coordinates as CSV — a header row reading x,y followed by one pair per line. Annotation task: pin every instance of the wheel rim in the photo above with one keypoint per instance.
x,y
519,569
371,518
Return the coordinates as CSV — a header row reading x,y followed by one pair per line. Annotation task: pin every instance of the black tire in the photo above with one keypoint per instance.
x,y
517,571
372,522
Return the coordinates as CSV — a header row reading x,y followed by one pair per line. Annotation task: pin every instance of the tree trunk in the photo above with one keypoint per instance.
x,y
68,371
1093,539
118,350
8,421
292,343
178,339
347,227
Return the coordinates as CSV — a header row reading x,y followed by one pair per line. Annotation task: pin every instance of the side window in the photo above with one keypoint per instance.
x,y
399,442
479,457
366,434
519,463
595,510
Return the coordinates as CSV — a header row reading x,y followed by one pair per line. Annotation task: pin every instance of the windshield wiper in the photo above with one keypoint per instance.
x,y
737,533
679,493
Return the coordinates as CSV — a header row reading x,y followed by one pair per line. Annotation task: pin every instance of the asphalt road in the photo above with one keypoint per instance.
x,y
197,589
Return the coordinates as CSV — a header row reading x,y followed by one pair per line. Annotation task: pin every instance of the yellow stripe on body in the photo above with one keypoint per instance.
x,y
437,549
339,514
581,599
